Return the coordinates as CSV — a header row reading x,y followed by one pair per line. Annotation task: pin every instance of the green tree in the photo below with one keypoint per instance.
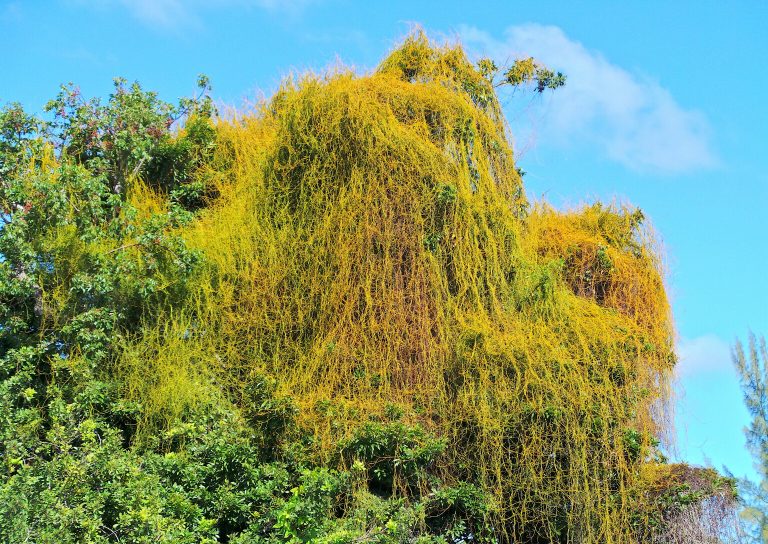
x,y
752,364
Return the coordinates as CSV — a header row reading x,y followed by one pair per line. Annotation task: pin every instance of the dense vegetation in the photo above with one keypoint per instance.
x,y
335,318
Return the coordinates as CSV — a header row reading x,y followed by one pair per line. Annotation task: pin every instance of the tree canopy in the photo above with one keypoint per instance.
x,y
333,318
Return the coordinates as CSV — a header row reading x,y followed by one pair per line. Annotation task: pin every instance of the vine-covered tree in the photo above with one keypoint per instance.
x,y
336,319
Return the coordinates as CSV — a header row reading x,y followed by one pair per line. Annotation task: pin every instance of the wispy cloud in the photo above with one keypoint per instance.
x,y
703,354
175,14
631,118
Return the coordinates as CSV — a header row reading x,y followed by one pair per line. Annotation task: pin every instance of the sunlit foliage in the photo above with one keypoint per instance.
x,y
335,317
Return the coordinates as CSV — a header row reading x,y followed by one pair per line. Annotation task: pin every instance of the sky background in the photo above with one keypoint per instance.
x,y
665,107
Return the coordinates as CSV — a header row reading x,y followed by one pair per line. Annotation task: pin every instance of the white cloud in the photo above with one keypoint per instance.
x,y
632,119
703,354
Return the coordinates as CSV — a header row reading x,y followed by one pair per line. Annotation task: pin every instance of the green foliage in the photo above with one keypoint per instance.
x,y
82,264
271,417
307,512
131,136
85,486
19,138
522,72
752,364
396,457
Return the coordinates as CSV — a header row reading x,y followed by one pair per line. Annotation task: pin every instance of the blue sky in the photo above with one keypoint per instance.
x,y
664,108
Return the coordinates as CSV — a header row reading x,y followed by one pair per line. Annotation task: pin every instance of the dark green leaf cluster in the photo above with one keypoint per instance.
x,y
132,135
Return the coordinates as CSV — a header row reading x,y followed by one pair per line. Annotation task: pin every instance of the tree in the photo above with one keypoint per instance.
x,y
336,320
752,365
